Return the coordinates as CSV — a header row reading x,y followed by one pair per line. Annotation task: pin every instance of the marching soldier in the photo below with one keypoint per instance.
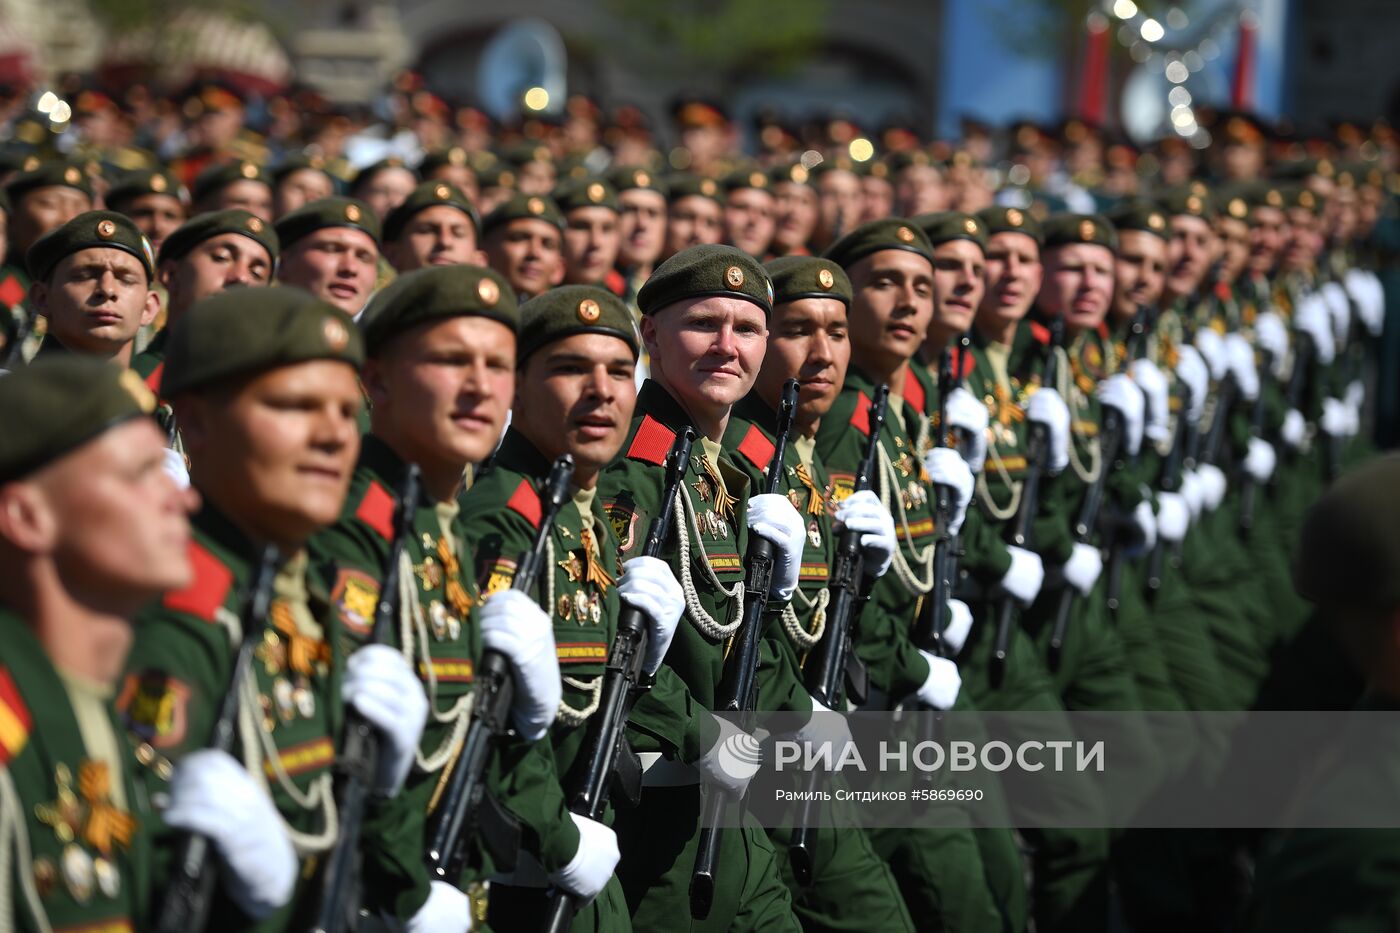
x,y
641,198
695,213
297,181
435,226
384,185
523,241
154,200
592,235
749,220
331,248
244,185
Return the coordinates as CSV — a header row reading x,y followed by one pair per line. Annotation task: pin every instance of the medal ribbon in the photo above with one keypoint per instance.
x,y
452,575
595,573
814,495
106,824
1007,410
724,502
302,651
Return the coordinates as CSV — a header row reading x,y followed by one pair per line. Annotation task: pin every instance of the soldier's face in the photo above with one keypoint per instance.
x,y
529,253
435,236
43,209
1078,284
440,392
1189,253
892,307
96,300
157,216
694,220
919,190
642,225
810,342
389,188
248,194
300,188
459,175
877,199
1139,269
576,396
591,242
336,264
1303,241
275,452
229,260
796,217
1013,280
748,220
1232,234
1266,236
707,351
959,280
841,199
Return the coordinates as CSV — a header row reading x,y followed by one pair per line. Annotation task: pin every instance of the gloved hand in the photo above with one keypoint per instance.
x,y
863,512
773,517
513,624
1366,290
1312,317
1212,485
1259,461
211,794
733,760
381,684
1293,429
592,865
1149,379
1121,393
940,688
1212,350
1355,395
1025,575
447,910
1272,337
1336,418
1339,308
174,467
947,467
1083,567
1191,370
1173,516
1047,408
1242,367
958,627
648,584
1146,524
825,727
1192,493
967,413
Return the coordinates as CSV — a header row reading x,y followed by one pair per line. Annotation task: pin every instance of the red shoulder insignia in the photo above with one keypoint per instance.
x,y
615,283
967,362
1223,291
153,380
861,416
377,510
1040,332
652,442
1103,329
757,448
526,502
914,392
15,720
11,292
208,590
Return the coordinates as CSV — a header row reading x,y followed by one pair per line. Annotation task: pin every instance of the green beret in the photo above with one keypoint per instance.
x,y
1187,201
943,226
247,331
742,178
796,174
798,277
589,191
1068,229
523,207
57,404
145,181
366,174
296,163
434,294
218,177
631,177
428,194
499,175
1349,549
907,158
203,227
704,271
327,212
1000,219
90,230
524,153
574,309
1140,215
888,233
1295,195
572,166
54,173
1237,201
686,184
433,161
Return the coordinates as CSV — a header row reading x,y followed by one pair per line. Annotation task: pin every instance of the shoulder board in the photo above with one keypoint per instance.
x,y
615,283
757,448
1223,291
526,502
967,362
1040,332
1103,329
652,442
860,418
11,291
377,510
209,589
15,720
153,380
914,392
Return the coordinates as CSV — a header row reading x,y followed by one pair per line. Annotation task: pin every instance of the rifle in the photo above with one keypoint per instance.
x,y
928,631
1117,546
1171,482
1037,456
185,906
607,728
737,686
829,661
459,813
358,763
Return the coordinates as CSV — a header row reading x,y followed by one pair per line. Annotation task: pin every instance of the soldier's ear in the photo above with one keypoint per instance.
x,y
372,378
152,308
27,519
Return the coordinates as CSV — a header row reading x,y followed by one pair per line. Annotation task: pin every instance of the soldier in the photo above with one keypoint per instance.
x,y
695,213
749,205
384,185
592,236
43,196
155,201
297,181
523,241
795,210
91,530
452,165
264,385
435,226
840,200
244,185
331,248
641,198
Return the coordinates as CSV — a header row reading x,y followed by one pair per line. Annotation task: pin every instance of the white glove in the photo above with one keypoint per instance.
x,y
940,688
1212,350
1047,408
1272,337
1259,461
1355,395
948,468
1212,485
1121,393
1339,307
965,411
1192,493
1242,367
959,626
734,759
1366,290
174,467
1191,370
513,624
863,512
1312,318
592,865
380,683
1083,567
1149,379
1173,516
1025,575
1336,418
1293,429
826,727
447,910
211,794
1146,524
773,517
648,584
